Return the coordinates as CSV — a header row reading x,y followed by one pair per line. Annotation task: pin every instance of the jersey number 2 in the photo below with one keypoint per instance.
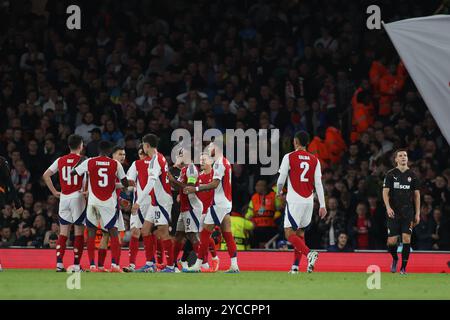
x,y
305,167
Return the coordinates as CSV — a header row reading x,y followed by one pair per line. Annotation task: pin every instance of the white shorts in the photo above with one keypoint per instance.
x,y
105,216
120,225
159,215
297,215
215,215
189,221
137,220
72,210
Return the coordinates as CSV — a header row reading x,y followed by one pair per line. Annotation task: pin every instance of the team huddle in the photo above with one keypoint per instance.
x,y
91,197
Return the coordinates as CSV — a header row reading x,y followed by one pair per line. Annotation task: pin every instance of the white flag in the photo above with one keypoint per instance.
x,y
424,46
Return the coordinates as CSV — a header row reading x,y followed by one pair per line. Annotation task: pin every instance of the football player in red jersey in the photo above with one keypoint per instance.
x,y
219,212
159,214
102,200
118,153
72,204
302,171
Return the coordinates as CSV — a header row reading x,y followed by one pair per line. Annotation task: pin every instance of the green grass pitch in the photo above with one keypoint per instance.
x,y
46,284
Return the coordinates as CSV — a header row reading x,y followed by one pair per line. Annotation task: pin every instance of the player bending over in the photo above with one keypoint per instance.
x,y
72,204
160,209
302,170
103,171
118,154
401,197
219,212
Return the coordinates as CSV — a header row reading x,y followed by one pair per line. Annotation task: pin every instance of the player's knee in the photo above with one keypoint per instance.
x,y
392,241
406,238
135,232
288,232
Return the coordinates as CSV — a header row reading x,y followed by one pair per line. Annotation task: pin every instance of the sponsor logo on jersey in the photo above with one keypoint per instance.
x,y
397,185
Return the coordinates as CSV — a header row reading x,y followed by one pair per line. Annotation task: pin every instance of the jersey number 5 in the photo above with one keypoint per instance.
x,y
67,176
103,182
305,167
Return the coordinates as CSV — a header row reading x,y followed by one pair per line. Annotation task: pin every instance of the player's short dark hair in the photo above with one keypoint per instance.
x,y
104,147
74,141
302,137
117,148
151,139
396,152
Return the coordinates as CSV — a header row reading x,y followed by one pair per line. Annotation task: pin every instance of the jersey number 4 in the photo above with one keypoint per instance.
x,y
67,176
305,167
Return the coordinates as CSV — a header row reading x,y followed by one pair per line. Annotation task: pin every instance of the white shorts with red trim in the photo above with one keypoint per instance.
x,y
298,215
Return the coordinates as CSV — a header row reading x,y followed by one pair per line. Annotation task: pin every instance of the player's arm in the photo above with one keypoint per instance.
x,y
80,168
319,190
284,171
154,171
175,182
219,173
122,176
416,200
47,176
387,185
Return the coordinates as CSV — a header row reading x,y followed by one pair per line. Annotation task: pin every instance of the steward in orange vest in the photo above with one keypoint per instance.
x,y
390,84
335,143
319,148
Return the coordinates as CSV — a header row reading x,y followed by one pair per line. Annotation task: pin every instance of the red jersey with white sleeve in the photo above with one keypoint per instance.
x,y
222,194
158,170
103,172
304,176
71,185
138,172
206,197
189,174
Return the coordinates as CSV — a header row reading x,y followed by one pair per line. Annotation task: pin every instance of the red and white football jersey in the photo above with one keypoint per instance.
x,y
158,170
103,172
222,194
71,186
302,169
138,172
206,197
189,174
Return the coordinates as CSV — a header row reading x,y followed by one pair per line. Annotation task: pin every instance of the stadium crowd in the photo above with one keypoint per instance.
x,y
140,67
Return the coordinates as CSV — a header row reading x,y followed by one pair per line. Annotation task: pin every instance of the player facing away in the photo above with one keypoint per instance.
x,y
118,154
219,212
302,170
191,207
72,204
137,176
401,197
102,200
159,212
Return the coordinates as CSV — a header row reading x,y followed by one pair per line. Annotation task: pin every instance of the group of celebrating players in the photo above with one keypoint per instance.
x,y
91,196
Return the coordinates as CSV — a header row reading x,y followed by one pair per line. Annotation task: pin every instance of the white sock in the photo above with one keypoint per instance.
x,y
76,267
113,265
205,265
149,263
234,262
60,265
132,265
170,267
184,264
215,258
198,263
294,267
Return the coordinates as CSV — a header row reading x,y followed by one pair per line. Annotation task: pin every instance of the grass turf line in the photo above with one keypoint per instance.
x,y
46,284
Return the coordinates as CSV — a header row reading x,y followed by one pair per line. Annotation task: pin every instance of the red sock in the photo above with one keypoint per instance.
x,y
101,257
168,247
231,245
60,248
205,235
159,251
196,246
212,247
134,249
78,246
115,249
91,250
177,247
299,244
149,248
297,257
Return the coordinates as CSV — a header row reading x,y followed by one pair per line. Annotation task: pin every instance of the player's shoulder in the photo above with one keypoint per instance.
x,y
391,171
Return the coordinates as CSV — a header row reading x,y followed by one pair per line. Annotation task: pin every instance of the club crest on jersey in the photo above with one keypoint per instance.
x,y
409,179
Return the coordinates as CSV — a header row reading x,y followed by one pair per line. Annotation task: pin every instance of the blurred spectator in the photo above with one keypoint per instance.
x,y
359,227
7,237
342,244
333,224
441,231
424,230
25,237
